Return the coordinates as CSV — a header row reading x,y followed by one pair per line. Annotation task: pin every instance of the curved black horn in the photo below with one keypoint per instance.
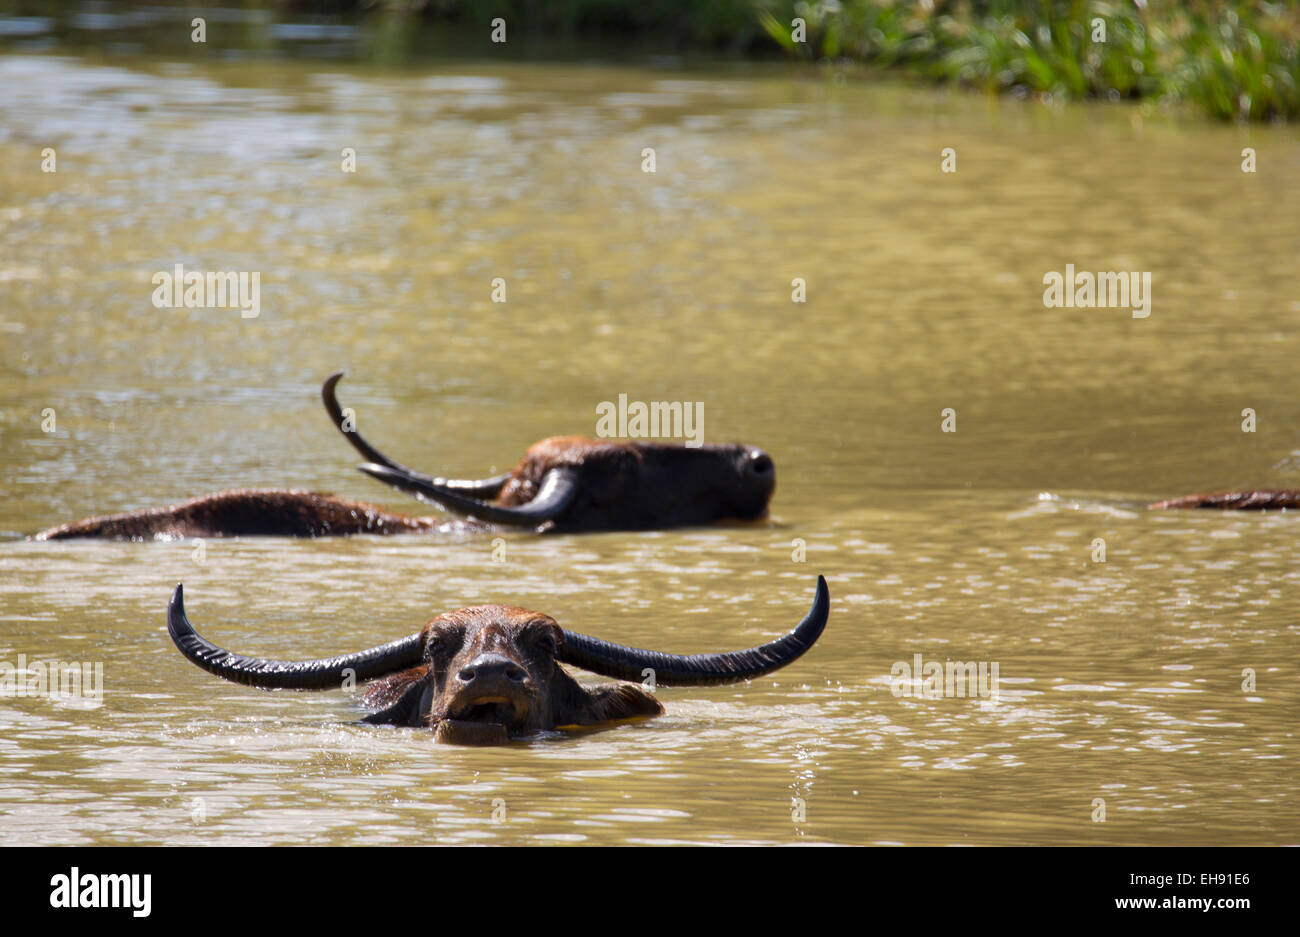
x,y
324,674
627,663
558,487
486,488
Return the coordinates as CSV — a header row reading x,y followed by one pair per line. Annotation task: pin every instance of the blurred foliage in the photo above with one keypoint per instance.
x,y
1233,60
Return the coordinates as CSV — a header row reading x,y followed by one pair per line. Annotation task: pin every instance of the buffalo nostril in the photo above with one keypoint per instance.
x,y
489,667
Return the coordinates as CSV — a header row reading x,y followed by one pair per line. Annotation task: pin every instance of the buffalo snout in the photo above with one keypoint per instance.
x,y
491,687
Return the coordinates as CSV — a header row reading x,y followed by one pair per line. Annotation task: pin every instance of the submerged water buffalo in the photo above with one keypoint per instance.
x,y
564,484
492,673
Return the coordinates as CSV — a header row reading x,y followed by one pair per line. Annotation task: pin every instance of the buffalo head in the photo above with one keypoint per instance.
x,y
570,483
492,673
562,484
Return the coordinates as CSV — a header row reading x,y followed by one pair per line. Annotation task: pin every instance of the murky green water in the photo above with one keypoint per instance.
x,y
1120,680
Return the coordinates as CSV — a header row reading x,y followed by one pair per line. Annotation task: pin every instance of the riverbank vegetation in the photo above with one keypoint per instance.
x,y
1232,60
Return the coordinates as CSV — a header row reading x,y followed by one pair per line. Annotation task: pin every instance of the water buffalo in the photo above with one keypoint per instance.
x,y
492,673
1264,500
564,484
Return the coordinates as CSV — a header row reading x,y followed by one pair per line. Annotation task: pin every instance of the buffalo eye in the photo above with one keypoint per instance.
x,y
541,636
442,646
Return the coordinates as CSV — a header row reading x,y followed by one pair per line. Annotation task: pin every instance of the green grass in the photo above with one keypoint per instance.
x,y
1233,60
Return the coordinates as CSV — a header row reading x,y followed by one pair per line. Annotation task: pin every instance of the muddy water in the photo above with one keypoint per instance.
x,y
1124,683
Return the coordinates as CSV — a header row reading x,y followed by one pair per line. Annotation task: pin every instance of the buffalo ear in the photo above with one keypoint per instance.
x,y
615,702
403,694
